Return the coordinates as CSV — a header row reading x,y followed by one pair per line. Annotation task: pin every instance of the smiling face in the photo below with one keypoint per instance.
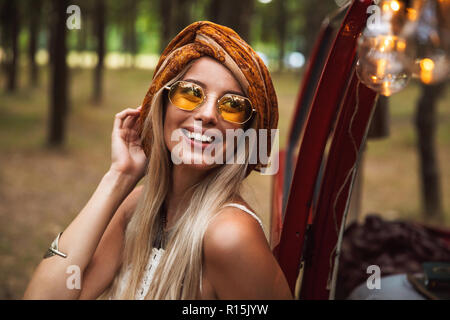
x,y
196,128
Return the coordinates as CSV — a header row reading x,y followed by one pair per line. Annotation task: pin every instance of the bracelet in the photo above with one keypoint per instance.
x,y
54,249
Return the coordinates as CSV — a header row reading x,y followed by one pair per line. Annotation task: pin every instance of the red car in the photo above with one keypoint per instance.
x,y
312,189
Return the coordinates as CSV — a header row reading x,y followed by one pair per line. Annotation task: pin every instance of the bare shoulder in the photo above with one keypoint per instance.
x,y
238,261
231,229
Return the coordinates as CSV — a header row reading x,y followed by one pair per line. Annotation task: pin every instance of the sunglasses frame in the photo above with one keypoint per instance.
x,y
217,103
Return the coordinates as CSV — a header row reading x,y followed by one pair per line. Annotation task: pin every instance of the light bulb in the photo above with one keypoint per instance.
x,y
427,34
395,6
382,64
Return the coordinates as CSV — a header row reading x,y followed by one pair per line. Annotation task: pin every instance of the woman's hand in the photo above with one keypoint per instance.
x,y
127,155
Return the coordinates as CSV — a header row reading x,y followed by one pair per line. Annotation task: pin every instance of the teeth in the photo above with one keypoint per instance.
x,y
197,136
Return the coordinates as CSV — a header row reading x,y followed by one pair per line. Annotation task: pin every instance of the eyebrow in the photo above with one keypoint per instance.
x,y
239,93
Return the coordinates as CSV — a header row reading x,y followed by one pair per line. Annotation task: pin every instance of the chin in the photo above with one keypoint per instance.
x,y
199,164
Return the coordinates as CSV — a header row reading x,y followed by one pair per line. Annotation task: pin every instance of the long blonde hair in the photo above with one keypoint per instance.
x,y
178,273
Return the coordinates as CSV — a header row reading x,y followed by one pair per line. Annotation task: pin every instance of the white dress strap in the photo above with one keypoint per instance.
x,y
244,208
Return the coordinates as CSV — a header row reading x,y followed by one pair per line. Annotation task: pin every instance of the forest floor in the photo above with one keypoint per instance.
x,y
42,190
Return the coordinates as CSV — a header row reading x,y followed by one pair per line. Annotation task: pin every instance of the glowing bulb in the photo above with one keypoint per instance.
x,y
427,64
395,6
401,45
381,68
411,14
381,65
427,45
426,69
386,89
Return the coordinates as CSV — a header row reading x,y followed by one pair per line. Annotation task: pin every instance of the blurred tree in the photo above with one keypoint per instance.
x,y
83,33
35,8
49,12
266,17
314,12
425,121
175,16
165,9
214,10
10,23
379,125
281,31
99,24
59,74
129,29
236,14
181,15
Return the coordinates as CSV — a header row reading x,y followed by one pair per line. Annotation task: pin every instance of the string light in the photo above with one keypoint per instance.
x,y
427,31
395,6
426,70
383,65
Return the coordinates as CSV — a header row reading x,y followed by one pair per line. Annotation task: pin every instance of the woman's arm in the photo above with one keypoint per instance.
x,y
238,259
81,238
107,258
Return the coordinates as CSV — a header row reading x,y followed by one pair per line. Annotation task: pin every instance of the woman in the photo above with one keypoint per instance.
x,y
186,234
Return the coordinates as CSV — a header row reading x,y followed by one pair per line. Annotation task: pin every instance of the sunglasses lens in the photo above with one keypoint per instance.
x,y
185,95
235,109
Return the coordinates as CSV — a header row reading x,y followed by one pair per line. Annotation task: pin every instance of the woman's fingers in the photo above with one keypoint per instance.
x,y
130,122
121,116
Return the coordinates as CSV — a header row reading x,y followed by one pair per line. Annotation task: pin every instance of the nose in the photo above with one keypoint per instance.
x,y
207,112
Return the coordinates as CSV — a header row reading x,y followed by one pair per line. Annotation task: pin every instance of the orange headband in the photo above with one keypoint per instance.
x,y
221,43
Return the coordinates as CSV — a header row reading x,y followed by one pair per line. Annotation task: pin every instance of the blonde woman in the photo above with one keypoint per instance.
x,y
186,233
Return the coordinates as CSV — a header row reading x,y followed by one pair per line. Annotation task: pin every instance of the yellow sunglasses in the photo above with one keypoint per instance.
x,y
231,107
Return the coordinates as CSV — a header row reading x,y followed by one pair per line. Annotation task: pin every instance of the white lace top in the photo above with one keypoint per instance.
x,y
155,257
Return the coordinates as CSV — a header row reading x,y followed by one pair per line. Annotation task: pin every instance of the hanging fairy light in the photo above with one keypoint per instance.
x,y
427,34
383,65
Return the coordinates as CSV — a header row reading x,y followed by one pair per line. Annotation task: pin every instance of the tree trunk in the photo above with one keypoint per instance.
x,y
165,10
379,125
100,36
35,17
175,16
59,72
83,33
10,25
425,121
129,38
181,15
281,31
314,13
237,15
214,11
